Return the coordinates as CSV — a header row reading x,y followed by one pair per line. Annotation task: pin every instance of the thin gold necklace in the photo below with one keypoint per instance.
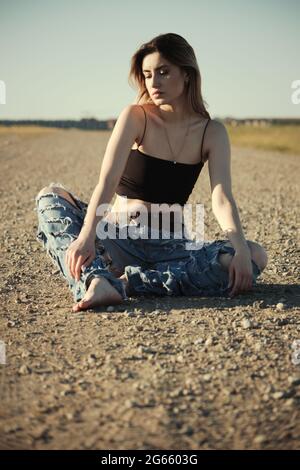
x,y
187,131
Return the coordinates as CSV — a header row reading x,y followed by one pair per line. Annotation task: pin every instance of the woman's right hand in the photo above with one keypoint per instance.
x,y
80,253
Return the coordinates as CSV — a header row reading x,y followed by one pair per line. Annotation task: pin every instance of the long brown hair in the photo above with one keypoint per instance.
x,y
178,51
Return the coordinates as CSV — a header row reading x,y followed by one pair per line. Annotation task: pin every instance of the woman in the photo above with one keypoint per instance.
x,y
154,156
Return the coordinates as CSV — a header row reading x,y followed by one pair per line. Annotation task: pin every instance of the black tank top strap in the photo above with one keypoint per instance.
x,y
203,138
144,127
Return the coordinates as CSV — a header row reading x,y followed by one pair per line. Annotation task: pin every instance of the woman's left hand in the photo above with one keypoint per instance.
x,y
240,272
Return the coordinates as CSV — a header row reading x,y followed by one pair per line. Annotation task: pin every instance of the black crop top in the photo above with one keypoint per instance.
x,y
156,180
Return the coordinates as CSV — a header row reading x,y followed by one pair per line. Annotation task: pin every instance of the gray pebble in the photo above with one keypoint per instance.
x,y
246,324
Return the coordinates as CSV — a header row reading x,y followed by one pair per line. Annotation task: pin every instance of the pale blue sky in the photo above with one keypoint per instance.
x,y
70,59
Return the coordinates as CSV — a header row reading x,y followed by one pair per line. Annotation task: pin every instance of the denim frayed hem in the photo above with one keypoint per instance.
x,y
59,224
115,282
200,275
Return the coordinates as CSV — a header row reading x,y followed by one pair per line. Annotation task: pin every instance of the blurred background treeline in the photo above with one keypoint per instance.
x,y
282,135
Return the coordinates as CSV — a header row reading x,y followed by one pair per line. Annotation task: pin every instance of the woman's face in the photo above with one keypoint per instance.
x,y
161,75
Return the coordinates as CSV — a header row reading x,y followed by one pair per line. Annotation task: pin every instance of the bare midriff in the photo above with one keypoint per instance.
x,y
133,207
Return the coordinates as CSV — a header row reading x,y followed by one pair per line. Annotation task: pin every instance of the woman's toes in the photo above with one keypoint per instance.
x,y
100,292
81,305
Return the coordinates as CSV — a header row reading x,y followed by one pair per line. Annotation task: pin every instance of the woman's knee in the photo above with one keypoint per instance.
x,y
258,255
57,190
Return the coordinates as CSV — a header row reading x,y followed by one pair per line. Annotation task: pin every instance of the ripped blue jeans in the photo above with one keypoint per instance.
x,y
154,266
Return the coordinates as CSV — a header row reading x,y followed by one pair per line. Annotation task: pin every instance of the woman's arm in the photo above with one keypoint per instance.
x,y
125,132
223,203
224,206
81,251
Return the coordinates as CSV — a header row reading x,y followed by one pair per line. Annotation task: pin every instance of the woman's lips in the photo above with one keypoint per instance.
x,y
157,93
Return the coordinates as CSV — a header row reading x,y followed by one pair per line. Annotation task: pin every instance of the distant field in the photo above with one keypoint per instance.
x,y
284,139
26,130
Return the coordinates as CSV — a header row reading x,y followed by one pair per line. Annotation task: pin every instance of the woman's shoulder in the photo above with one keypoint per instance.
x,y
215,131
216,126
135,113
216,137
139,113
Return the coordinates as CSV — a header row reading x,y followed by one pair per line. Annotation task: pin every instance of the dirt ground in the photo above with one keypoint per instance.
x,y
156,373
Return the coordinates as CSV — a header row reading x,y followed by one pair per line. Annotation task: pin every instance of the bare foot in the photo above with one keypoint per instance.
x,y
124,279
99,292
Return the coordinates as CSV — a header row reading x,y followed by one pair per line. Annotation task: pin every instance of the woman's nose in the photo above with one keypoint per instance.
x,y
156,82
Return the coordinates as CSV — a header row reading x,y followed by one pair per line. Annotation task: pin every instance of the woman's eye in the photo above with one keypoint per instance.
x,y
162,72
